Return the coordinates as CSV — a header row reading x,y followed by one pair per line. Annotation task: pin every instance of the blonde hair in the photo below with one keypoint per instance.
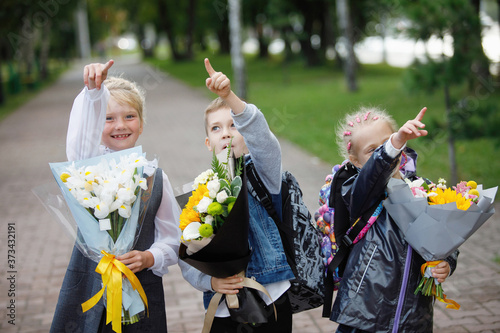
x,y
215,105
125,91
355,122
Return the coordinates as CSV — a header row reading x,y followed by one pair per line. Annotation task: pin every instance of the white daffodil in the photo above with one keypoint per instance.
x,y
75,182
126,195
101,210
115,205
222,196
143,183
203,205
125,211
89,201
192,231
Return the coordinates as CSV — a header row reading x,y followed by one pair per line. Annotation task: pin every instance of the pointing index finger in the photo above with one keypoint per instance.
x,y
209,67
421,114
108,65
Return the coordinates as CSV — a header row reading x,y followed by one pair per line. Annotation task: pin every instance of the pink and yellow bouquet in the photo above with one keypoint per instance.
x,y
436,220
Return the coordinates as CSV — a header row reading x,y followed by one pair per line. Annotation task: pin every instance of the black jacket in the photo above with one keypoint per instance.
x,y
376,293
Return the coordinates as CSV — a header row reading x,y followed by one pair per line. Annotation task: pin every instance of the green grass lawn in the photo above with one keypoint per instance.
x,y
304,105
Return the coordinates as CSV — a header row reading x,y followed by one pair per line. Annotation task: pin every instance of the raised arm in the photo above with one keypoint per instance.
x,y
88,114
263,146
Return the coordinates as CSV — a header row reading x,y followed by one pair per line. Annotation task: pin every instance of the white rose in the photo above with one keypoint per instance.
x,y
209,219
203,205
221,196
213,185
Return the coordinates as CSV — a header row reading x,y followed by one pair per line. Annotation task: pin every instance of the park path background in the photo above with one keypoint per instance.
x,y
34,135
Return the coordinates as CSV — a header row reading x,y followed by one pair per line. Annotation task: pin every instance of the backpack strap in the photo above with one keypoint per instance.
x,y
261,191
265,198
346,230
287,233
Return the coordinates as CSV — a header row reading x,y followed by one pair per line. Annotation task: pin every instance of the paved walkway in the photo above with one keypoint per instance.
x,y
35,134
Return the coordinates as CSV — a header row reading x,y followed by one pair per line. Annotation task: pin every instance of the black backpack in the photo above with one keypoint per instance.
x,y
299,238
342,223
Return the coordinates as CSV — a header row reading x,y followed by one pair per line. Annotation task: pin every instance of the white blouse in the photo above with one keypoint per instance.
x,y
86,124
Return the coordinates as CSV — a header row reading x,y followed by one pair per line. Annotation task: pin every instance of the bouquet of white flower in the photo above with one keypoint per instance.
x,y
215,222
105,221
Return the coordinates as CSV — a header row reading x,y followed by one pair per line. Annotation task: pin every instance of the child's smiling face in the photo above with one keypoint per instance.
x,y
123,126
366,139
221,130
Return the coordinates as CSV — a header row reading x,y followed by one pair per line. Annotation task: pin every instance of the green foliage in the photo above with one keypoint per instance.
x,y
218,167
456,18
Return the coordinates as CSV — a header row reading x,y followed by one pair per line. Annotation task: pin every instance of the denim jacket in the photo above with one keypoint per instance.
x,y
268,262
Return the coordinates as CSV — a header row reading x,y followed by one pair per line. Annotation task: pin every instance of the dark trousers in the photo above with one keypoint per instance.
x,y
282,325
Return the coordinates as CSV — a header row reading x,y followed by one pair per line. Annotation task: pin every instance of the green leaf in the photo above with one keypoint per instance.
x,y
229,200
224,184
238,166
236,182
218,167
236,190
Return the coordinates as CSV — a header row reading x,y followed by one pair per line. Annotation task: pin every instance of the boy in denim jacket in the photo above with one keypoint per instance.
x,y
229,120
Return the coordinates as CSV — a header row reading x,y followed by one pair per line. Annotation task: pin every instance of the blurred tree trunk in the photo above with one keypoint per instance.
x,y
27,52
166,26
309,15
451,139
147,45
223,37
237,60
2,95
328,35
481,64
263,44
45,50
83,30
383,35
345,25
191,14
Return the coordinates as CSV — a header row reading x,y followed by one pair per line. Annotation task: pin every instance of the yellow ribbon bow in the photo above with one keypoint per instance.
x,y
450,304
111,271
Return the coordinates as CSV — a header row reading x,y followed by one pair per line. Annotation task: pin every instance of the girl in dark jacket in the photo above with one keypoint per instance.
x,y
376,293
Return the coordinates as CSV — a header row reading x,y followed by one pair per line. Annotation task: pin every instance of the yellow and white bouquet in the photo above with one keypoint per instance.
x,y
212,199
107,197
